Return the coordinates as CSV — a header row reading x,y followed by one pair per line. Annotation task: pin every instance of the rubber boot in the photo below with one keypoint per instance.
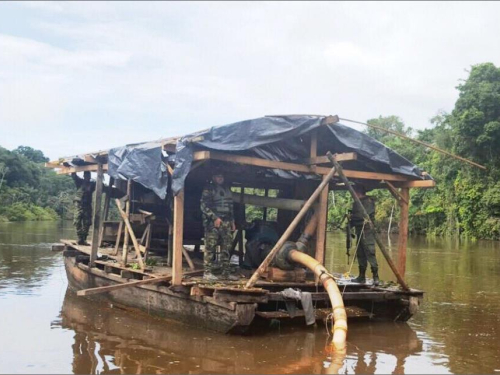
x,y
376,280
361,279
209,276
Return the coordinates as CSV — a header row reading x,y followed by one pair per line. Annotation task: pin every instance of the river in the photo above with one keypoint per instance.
x,y
46,329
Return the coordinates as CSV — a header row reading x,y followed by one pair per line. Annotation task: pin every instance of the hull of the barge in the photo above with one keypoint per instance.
x,y
160,301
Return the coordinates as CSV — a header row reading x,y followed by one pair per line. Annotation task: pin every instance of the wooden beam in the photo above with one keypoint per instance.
x,y
178,238
105,214
416,184
96,225
403,230
321,226
131,233
81,168
110,288
126,233
258,162
314,144
346,156
395,193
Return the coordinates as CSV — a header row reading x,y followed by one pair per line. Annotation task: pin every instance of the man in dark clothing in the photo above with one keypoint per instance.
x,y
218,221
83,206
365,235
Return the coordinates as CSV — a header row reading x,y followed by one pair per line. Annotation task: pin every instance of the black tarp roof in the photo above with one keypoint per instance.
x,y
272,138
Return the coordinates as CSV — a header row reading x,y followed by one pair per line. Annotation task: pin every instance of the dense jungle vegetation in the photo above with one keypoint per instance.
x,y
28,191
465,202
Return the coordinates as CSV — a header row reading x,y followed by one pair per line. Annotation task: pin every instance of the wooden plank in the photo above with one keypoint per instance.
x,y
110,288
96,225
403,230
224,296
82,168
258,162
178,232
131,233
347,156
416,184
276,274
321,226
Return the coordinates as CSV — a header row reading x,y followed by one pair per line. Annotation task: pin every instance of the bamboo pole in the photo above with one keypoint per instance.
x,y
387,257
418,142
128,228
263,266
105,215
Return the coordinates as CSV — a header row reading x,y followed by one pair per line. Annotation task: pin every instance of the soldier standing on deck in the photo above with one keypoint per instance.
x,y
365,236
83,206
218,221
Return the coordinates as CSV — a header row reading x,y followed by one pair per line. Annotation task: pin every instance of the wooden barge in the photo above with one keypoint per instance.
x,y
163,276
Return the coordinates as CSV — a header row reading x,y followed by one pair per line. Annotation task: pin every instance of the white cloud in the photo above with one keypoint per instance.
x,y
136,71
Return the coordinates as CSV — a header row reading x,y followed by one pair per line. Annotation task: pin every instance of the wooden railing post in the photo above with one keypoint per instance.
x,y
96,225
403,230
178,238
127,213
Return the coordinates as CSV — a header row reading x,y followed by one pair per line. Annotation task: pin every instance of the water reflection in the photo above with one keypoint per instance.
x,y
45,329
110,340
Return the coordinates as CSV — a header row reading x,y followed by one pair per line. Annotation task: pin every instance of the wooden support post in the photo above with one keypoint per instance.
x,y
381,246
118,238
105,214
403,230
321,227
178,238
97,216
127,212
263,266
128,228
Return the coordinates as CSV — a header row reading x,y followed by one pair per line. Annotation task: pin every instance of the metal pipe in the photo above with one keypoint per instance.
x,y
339,314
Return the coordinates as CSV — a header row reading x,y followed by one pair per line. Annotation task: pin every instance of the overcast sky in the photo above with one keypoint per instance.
x,y
79,77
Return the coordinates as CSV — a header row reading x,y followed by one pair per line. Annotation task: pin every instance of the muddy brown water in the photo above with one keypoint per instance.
x,y
46,329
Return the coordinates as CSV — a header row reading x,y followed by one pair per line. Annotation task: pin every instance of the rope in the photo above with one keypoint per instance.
x,y
355,254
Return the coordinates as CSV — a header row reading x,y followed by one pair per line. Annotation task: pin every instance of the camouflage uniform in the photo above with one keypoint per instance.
x,y
83,207
217,202
366,248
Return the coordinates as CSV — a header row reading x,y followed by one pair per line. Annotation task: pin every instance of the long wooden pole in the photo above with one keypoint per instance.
x,y
403,230
126,234
105,214
387,257
418,142
178,238
128,228
97,216
321,226
263,266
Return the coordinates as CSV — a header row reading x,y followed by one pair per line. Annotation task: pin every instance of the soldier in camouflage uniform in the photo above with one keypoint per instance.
x,y
218,220
365,236
83,206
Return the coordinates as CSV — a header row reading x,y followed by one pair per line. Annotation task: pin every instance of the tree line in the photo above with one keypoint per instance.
x,y
465,202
